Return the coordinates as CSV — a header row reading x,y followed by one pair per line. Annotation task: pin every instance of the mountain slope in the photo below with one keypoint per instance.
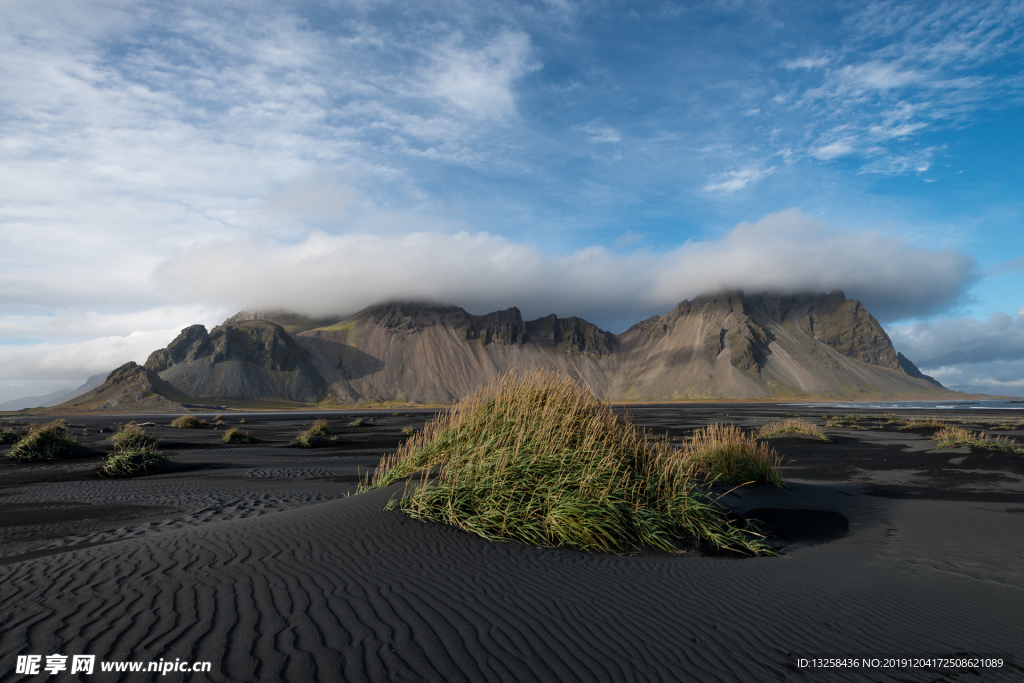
x,y
130,387
729,345
252,359
436,354
739,346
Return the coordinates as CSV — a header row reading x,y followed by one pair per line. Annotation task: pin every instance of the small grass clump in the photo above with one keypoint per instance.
x,y
408,431
725,453
134,453
358,422
304,440
922,423
957,436
132,461
537,458
187,422
236,435
44,442
8,435
319,428
791,425
132,436
844,421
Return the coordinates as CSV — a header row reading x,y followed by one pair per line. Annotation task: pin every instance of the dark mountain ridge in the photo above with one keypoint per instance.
x,y
728,345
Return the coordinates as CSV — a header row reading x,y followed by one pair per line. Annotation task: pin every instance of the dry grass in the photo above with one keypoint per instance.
x,y
44,442
957,436
134,453
725,453
304,440
790,425
320,428
923,423
187,422
537,458
358,422
852,421
8,435
131,436
236,435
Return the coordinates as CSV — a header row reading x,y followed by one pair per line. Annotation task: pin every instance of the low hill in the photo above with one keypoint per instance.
x,y
133,388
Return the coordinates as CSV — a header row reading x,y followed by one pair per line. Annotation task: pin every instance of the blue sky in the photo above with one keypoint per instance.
x,y
163,164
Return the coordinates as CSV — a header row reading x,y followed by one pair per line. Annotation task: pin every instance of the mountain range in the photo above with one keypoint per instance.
x,y
724,346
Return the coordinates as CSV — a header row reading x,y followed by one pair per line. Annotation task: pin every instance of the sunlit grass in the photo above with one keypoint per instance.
x,y
236,435
187,422
537,458
44,442
790,425
134,453
957,436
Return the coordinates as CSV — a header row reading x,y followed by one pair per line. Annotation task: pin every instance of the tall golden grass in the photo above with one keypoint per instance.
x,y
538,458
790,425
957,436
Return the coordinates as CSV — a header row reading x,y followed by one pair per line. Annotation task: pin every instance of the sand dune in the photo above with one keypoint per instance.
x,y
341,591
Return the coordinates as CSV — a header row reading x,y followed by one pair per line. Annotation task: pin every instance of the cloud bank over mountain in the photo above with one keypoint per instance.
x,y
787,252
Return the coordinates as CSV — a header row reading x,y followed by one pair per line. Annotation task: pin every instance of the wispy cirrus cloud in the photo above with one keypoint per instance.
x,y
734,181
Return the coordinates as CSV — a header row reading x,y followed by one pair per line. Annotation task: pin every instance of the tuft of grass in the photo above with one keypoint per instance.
x,y
538,458
130,461
724,452
44,442
242,421
187,422
236,435
408,431
8,435
843,421
957,436
790,425
922,423
132,436
358,422
320,428
304,440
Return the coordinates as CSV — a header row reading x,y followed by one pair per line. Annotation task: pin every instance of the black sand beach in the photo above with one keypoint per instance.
x,y
258,559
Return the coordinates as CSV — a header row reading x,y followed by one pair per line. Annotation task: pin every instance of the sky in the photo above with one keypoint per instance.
x,y
166,164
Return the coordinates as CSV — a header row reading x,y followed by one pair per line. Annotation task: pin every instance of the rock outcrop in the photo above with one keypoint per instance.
x,y
131,388
729,345
249,360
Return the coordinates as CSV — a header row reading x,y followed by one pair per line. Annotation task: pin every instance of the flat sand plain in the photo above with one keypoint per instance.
x,y
260,560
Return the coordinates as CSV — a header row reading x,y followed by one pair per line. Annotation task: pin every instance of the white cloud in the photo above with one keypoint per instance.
x,y
878,75
78,360
69,324
786,251
999,377
806,63
733,181
833,150
480,82
952,341
601,133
